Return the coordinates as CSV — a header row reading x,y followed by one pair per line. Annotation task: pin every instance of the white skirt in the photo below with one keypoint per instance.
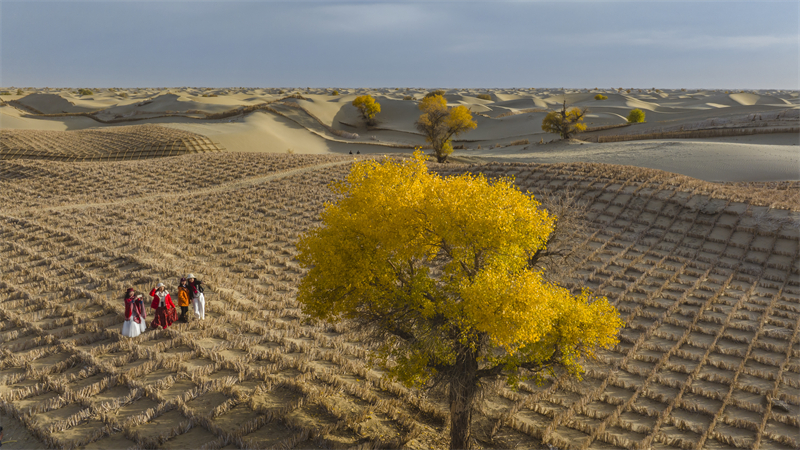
x,y
132,329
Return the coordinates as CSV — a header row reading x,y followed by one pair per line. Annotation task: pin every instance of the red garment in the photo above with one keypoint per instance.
x,y
129,307
167,300
134,307
192,285
138,307
164,317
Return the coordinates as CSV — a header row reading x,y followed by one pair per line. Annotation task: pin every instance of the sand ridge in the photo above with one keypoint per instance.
x,y
316,121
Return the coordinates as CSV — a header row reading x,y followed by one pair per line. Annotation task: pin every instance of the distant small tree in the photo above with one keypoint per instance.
x,y
434,93
600,97
447,274
565,122
636,116
368,108
439,124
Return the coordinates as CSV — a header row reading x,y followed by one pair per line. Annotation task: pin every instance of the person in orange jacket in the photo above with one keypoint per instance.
x,y
165,309
184,299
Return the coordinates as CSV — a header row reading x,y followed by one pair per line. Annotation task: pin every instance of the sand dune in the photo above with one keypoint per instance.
x,y
711,161
108,144
315,121
54,104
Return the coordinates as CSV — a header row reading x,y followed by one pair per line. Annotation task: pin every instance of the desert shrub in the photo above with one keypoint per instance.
x,y
368,108
408,97
628,91
636,116
439,124
5,93
484,97
434,93
514,113
20,92
210,95
519,142
344,134
123,94
565,122
335,93
83,91
600,97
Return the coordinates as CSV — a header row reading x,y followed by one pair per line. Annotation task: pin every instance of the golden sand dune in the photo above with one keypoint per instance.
x,y
42,103
324,121
706,276
117,143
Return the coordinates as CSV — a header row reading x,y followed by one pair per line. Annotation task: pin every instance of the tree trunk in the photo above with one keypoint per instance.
x,y
440,157
464,389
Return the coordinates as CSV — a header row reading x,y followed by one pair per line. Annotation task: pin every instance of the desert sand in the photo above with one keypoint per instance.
x,y
315,121
705,274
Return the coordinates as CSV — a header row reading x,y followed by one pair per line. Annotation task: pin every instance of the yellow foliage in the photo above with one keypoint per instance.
x,y
439,125
433,103
636,116
460,117
445,260
368,108
565,122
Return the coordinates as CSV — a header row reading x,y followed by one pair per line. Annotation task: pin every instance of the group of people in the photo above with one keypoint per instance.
x,y
190,292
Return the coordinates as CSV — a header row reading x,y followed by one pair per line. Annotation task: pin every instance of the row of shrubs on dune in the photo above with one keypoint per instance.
x,y
607,127
720,132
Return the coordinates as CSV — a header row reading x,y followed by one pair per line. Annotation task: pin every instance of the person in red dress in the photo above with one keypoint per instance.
x,y
165,309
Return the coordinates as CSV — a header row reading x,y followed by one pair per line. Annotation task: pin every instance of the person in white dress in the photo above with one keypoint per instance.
x,y
135,318
198,297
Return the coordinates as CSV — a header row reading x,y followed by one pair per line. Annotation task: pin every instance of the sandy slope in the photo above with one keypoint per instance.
x,y
710,161
511,115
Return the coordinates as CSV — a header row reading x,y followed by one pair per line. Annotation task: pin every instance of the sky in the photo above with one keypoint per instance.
x,y
431,44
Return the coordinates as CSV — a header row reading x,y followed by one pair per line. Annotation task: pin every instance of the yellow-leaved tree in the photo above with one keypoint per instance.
x,y
443,272
565,122
368,108
439,124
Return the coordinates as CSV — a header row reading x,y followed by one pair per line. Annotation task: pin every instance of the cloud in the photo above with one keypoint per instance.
x,y
680,40
366,19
